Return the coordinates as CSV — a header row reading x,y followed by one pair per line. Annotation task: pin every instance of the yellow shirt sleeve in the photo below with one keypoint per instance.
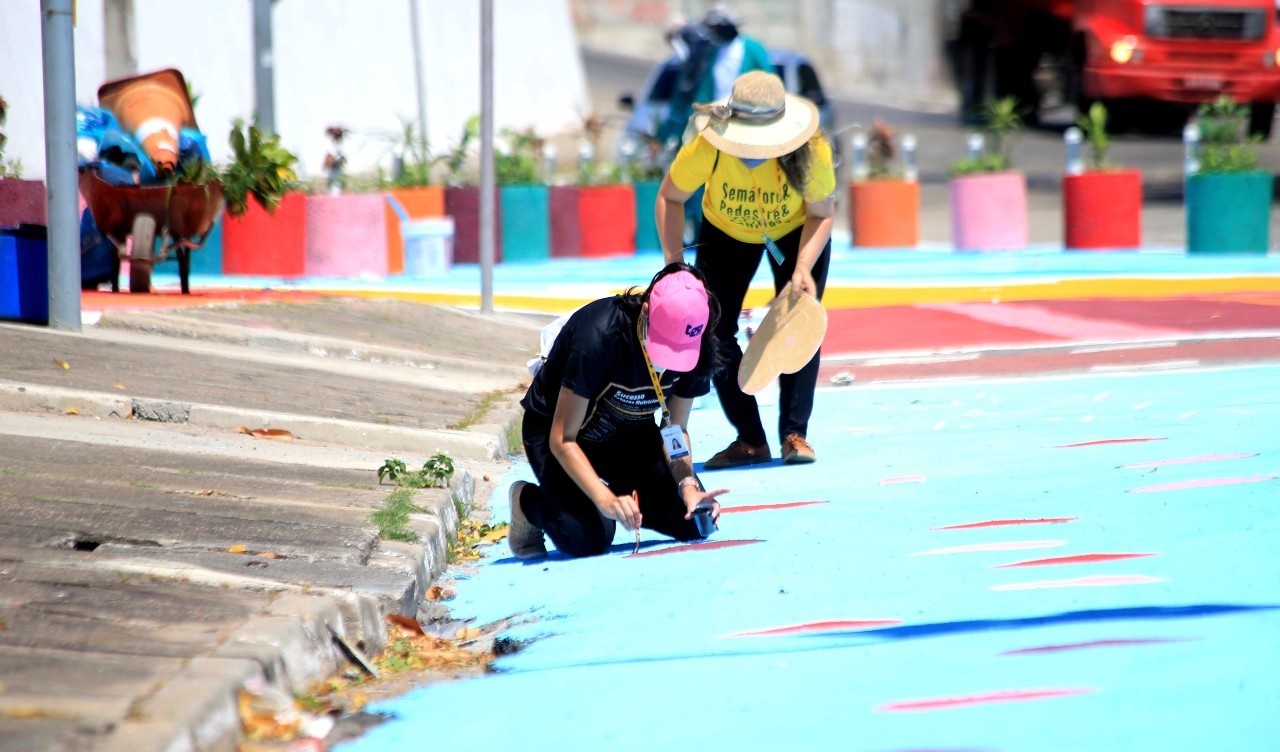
x,y
822,171
693,163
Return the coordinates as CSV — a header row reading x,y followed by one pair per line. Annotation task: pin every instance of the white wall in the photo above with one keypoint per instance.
x,y
337,62
22,75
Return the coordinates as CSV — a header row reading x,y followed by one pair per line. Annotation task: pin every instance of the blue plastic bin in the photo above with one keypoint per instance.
x,y
24,274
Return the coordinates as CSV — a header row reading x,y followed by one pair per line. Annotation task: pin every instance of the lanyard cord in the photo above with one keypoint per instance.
x,y
653,376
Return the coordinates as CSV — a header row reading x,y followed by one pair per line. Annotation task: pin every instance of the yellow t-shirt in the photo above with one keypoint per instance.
x,y
730,201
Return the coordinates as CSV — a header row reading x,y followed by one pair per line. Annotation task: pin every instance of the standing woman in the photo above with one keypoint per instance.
x,y
589,428
770,184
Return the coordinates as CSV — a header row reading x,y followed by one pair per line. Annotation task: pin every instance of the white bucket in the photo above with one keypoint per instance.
x,y
428,246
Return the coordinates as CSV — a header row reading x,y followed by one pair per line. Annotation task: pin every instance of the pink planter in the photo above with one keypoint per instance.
x,y
989,212
346,235
21,202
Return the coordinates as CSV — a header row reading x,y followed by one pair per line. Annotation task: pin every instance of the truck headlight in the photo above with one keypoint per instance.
x,y
1126,50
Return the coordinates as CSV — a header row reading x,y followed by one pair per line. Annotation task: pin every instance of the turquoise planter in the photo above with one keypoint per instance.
x,y
526,223
1229,212
205,260
646,227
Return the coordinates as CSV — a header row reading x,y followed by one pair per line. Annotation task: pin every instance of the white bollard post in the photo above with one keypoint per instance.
x,y
1075,162
910,172
860,167
1191,149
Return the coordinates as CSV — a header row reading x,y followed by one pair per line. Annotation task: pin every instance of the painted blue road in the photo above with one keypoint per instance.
x,y
1026,564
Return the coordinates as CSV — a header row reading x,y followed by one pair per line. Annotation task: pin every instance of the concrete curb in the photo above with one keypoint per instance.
x,y
484,442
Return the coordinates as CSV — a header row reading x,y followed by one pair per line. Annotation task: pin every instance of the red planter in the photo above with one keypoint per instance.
x,y
1102,210
607,220
21,202
566,236
463,204
267,245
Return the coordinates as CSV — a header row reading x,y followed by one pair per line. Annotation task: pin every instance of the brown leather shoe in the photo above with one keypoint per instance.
x,y
737,454
796,451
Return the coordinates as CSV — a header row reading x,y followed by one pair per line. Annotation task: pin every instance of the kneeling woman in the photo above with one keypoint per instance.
x,y
589,428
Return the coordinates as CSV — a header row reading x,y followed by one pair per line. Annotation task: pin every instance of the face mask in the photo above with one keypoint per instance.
x,y
752,163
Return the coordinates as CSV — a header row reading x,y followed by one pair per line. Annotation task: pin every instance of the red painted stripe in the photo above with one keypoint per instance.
x,y
707,546
1001,523
1054,561
763,507
1093,644
1007,695
1201,483
819,626
1109,441
1188,460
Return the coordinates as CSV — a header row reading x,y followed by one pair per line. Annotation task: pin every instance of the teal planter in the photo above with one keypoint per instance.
x,y
646,227
205,260
1229,212
526,223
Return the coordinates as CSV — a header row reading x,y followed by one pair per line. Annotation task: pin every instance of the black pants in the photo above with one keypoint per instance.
x,y
572,520
729,266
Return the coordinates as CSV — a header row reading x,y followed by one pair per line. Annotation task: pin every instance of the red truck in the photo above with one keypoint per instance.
x,y
1150,61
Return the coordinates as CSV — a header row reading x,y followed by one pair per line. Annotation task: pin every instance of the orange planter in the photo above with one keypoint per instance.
x,y
884,213
1102,210
421,202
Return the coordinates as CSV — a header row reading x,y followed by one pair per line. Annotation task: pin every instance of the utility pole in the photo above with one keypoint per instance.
x,y
61,183
487,208
420,77
264,84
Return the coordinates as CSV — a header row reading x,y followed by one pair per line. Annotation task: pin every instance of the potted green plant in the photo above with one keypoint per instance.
x,y
265,225
412,185
645,171
526,218
21,201
884,202
989,197
1102,204
346,220
606,203
1228,197
462,198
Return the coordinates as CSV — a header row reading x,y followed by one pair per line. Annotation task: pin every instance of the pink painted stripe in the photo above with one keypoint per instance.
x,y
836,625
1189,460
1001,546
902,479
1056,324
1099,442
1201,483
1105,580
1076,559
707,546
765,507
986,698
1095,644
1002,523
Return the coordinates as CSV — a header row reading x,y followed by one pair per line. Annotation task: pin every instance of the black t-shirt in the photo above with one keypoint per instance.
x,y
597,356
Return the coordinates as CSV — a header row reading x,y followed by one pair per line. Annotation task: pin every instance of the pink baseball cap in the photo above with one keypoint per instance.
x,y
678,314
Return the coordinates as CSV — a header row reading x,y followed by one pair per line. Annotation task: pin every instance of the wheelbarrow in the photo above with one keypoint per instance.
x,y
181,215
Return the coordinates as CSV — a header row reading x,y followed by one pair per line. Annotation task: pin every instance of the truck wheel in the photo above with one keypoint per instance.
x,y
144,237
1261,117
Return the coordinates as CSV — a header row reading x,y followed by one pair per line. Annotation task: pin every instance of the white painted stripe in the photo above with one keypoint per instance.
x,y
1167,365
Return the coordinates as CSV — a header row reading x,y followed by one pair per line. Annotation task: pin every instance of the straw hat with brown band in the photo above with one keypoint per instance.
x,y
759,120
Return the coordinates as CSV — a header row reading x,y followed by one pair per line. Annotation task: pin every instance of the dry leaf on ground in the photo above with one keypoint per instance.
x,y
64,365
237,549
277,434
409,624
71,411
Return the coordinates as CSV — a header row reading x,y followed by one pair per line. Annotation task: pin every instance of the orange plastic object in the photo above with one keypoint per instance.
x,y
884,213
153,107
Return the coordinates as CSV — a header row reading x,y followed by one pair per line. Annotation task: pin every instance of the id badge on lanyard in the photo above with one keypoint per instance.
x,y
673,444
